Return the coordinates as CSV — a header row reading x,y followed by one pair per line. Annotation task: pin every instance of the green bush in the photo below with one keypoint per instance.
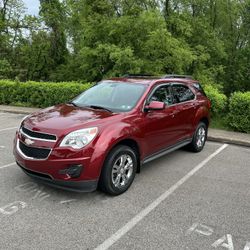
x,y
39,94
218,100
239,111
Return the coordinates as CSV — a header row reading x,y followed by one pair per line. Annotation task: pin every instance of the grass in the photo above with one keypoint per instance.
x,y
21,104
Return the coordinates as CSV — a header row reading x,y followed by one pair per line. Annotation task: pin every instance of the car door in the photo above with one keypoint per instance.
x,y
185,103
160,125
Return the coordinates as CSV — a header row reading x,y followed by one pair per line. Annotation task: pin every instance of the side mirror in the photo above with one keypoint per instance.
x,y
155,105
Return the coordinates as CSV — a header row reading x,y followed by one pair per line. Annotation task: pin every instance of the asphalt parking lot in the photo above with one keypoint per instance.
x,y
180,201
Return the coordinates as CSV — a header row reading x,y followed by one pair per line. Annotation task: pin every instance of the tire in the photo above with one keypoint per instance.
x,y
199,138
118,170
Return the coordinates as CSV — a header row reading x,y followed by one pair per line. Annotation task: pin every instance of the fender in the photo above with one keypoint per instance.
x,y
110,136
201,112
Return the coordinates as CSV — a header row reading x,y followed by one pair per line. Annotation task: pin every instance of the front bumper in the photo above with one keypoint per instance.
x,y
53,169
76,186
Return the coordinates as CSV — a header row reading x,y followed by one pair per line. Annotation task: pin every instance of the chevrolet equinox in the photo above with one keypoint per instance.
x,y
103,136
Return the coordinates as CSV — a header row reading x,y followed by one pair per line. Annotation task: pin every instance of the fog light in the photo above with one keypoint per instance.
x,y
74,171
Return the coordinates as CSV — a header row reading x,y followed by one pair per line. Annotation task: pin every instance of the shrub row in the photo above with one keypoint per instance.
x,y
44,94
239,111
39,94
235,110
218,100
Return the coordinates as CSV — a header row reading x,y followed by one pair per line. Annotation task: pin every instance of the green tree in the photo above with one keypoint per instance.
x,y
53,14
117,37
91,39
11,25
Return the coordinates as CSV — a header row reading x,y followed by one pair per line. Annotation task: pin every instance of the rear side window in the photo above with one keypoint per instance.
x,y
182,93
199,88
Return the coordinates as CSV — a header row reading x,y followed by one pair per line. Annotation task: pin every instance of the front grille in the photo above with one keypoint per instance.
x,y
38,135
32,152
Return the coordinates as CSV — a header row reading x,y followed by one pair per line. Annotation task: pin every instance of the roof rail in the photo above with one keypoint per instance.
x,y
177,76
141,76
149,76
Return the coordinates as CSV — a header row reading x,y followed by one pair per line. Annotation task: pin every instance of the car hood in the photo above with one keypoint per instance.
x,y
61,119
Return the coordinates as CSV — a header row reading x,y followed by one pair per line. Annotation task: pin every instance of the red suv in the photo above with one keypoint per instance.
x,y
104,135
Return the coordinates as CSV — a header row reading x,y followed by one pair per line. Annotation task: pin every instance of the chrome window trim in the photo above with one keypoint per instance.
x,y
168,84
28,157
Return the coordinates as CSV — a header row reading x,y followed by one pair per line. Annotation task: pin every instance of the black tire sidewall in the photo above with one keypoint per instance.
x,y
106,176
194,143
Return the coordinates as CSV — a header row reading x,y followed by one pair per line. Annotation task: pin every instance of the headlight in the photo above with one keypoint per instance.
x,y
79,138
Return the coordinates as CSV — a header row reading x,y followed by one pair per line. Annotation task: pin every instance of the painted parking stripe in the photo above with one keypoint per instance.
x,y
137,218
5,129
67,201
8,165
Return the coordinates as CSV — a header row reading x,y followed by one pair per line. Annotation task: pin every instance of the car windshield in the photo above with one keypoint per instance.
x,y
112,96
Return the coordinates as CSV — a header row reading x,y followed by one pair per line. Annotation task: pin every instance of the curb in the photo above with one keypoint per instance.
x,y
228,140
15,112
18,111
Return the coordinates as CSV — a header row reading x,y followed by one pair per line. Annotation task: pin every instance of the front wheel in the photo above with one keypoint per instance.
x,y
199,138
119,170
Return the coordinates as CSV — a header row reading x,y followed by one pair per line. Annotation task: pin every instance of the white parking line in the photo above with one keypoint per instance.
x,y
5,129
67,201
137,218
8,165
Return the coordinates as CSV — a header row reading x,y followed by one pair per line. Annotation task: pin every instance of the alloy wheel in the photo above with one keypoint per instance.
x,y
201,137
122,171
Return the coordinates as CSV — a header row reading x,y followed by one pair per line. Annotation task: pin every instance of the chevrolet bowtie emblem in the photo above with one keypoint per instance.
x,y
27,141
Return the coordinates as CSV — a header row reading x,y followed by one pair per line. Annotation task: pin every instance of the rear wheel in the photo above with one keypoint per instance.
x,y
119,170
199,138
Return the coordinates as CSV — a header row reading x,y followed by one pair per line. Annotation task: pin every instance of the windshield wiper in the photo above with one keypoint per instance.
x,y
72,103
100,107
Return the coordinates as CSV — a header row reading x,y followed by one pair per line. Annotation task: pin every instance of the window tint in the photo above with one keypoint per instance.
x,y
162,94
182,93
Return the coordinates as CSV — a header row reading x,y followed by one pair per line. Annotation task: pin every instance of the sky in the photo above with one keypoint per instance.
x,y
32,6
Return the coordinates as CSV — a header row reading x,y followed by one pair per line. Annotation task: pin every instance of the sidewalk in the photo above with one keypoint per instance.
x,y
17,110
216,135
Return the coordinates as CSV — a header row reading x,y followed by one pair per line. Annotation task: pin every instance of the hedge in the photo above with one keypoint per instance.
x,y
44,94
39,94
218,100
239,111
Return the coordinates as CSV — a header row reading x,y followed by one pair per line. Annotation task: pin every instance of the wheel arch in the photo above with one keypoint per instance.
x,y
201,115
132,144
205,120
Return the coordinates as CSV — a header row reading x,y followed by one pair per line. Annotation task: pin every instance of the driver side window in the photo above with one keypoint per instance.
x,y
162,94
